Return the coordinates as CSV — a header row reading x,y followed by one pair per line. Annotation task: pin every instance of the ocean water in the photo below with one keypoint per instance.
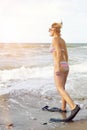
x,y
28,68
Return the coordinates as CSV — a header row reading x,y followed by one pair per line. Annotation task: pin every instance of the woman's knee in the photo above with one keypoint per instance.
x,y
60,88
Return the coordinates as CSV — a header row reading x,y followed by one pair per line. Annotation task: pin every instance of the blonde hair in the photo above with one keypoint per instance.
x,y
57,27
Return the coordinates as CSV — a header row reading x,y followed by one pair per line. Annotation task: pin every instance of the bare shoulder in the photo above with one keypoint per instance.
x,y
55,41
63,42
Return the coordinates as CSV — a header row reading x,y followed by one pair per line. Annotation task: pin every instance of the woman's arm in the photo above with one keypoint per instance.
x,y
57,53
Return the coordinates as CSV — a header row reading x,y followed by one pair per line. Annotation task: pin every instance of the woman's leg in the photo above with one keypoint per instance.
x,y
63,107
59,81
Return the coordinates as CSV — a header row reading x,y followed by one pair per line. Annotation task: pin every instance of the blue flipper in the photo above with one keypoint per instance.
x,y
68,119
53,109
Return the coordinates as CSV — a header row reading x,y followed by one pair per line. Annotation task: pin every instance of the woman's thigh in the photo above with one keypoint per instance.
x,y
59,78
65,77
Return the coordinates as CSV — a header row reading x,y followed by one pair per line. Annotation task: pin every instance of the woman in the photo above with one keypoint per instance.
x,y
61,69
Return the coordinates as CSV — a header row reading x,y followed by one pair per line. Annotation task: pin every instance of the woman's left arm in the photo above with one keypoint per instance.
x,y
57,53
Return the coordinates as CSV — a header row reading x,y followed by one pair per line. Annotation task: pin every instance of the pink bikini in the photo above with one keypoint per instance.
x,y
63,64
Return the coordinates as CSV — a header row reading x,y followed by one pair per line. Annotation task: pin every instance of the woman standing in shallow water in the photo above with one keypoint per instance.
x,y
61,69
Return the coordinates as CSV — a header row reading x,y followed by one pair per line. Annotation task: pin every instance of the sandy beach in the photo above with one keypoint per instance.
x,y
19,112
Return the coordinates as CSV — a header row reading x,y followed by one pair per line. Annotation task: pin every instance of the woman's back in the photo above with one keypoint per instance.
x,y
64,54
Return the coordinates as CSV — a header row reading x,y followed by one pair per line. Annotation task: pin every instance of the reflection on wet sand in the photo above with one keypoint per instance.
x,y
5,112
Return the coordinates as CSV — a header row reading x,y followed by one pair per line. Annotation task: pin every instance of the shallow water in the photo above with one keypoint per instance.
x,y
29,67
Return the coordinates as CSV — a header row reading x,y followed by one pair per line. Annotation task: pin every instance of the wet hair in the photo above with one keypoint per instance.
x,y
57,27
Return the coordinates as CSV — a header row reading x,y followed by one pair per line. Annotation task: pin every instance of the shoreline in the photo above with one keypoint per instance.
x,y
24,113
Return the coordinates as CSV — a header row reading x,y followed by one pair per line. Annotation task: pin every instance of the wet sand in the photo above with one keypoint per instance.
x,y
23,112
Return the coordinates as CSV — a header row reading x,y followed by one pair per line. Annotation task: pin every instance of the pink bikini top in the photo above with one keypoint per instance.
x,y
52,49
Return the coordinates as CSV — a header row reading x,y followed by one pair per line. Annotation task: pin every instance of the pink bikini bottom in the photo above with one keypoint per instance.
x,y
64,67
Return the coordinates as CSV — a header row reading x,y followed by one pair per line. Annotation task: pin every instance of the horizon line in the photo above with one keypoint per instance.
x,y
39,43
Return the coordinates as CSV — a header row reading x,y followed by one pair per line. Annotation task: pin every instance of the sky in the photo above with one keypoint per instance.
x,y
29,20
